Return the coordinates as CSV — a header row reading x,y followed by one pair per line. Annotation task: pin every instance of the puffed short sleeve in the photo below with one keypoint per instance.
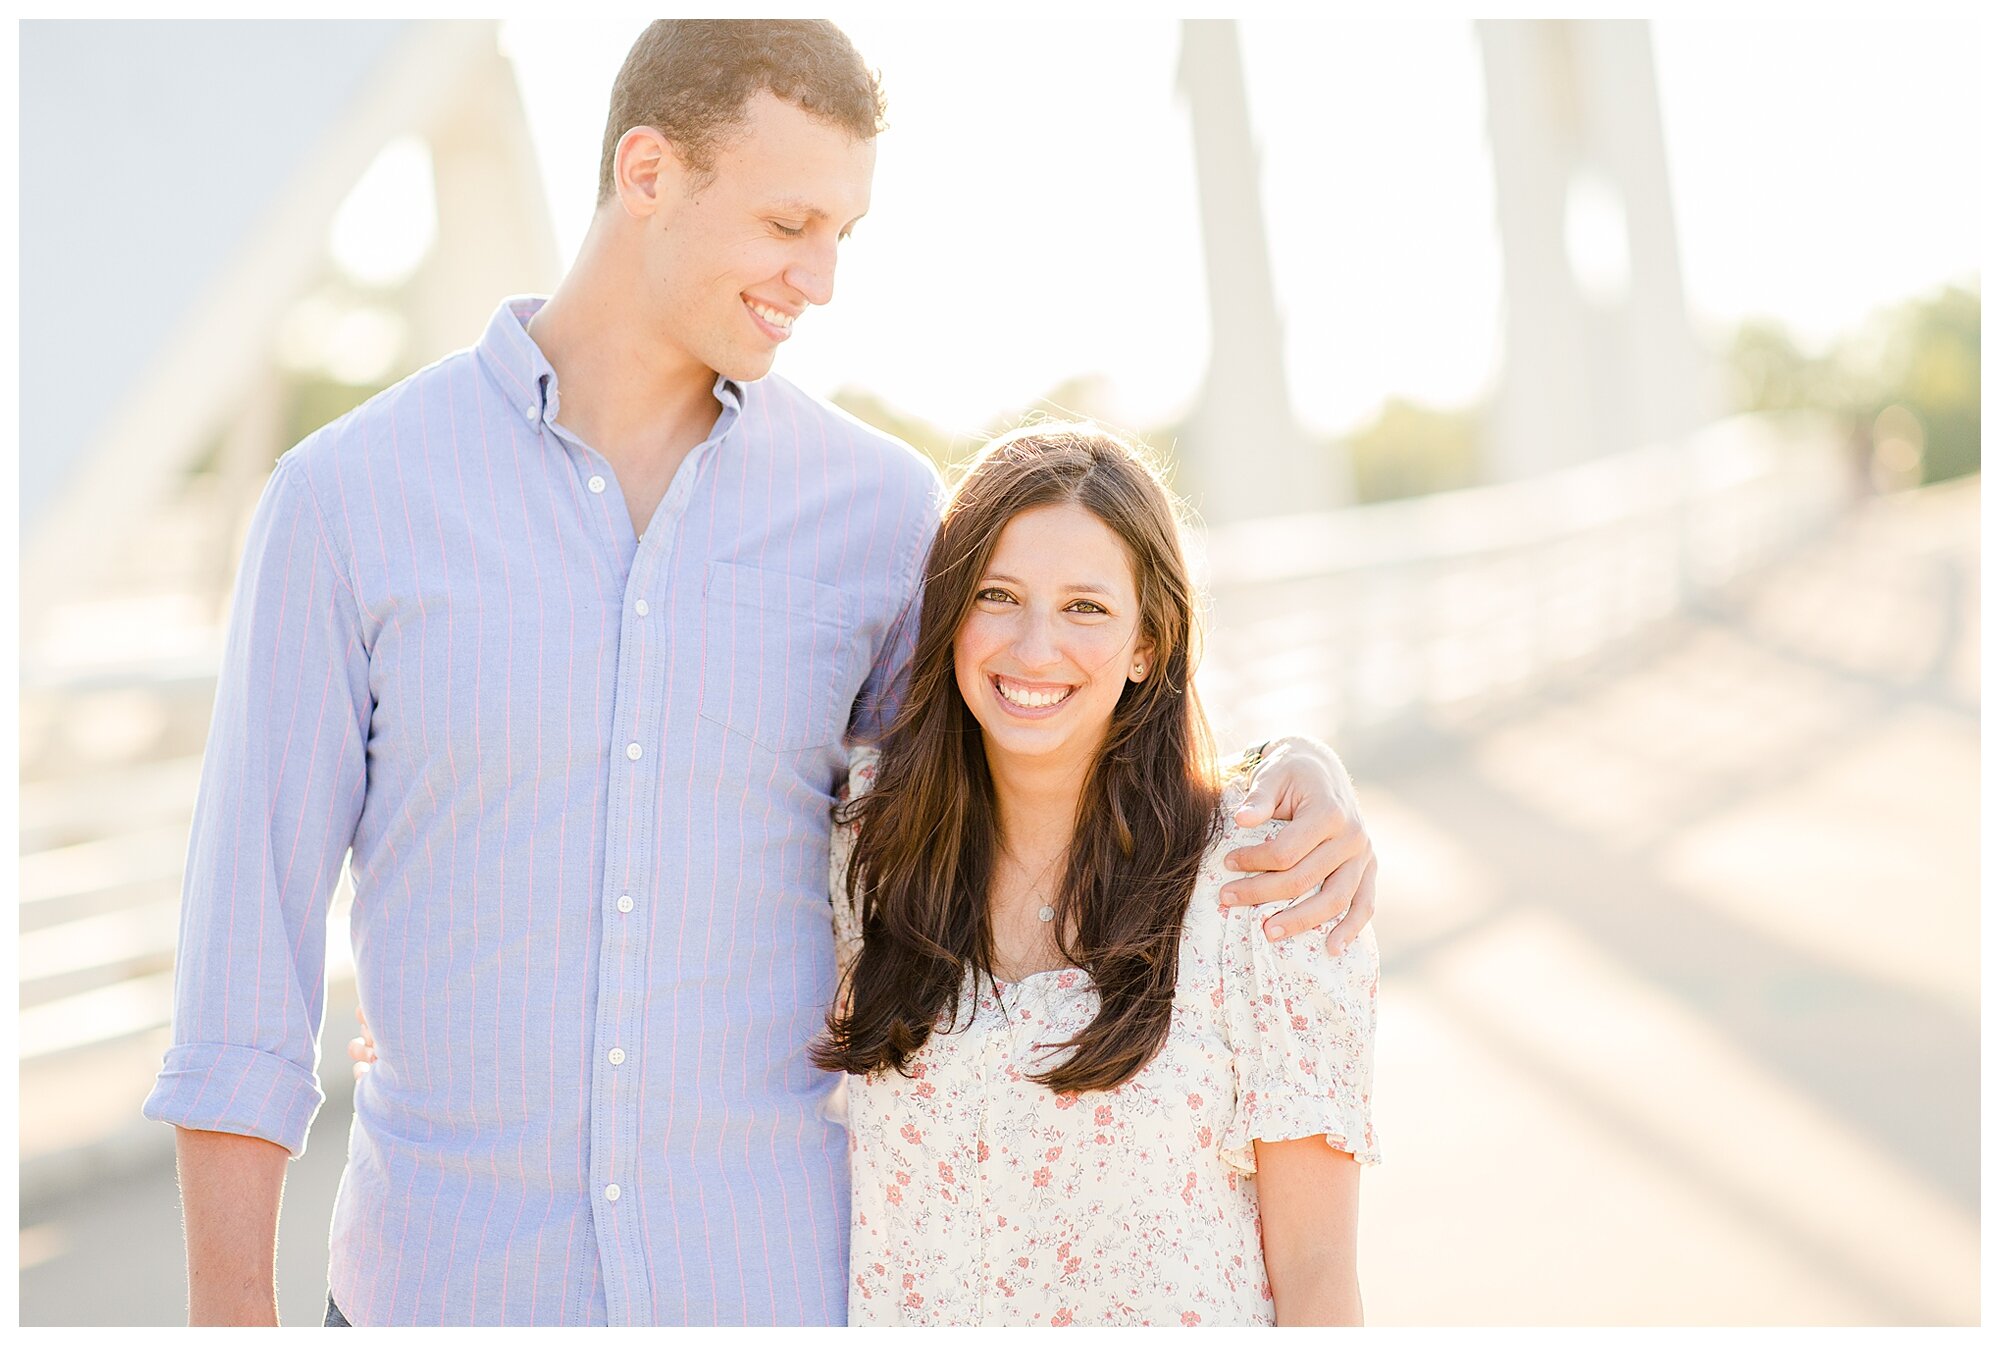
x,y
1301,1027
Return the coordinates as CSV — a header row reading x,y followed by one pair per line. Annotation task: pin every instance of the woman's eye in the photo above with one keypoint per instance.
x,y
787,229
994,596
1086,606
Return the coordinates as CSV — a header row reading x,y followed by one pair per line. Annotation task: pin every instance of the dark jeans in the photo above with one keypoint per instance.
x,y
334,1317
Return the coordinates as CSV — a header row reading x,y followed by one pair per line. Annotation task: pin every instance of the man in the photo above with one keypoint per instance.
x,y
563,635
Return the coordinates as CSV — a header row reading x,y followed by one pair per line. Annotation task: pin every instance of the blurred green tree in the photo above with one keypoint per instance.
x,y
1411,449
1922,355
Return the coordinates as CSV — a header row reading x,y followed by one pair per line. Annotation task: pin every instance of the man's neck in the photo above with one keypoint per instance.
x,y
620,385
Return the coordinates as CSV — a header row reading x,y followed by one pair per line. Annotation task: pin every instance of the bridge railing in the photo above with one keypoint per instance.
x,y
1360,621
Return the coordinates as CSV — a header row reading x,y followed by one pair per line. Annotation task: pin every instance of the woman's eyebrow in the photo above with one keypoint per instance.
x,y
1084,587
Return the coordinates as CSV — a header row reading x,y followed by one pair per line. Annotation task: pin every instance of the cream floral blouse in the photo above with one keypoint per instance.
x,y
982,1198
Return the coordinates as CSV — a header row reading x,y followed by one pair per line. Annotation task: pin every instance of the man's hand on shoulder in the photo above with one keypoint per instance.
x,y
1302,783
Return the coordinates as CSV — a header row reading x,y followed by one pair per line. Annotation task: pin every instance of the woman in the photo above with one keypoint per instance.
x,y
1083,1092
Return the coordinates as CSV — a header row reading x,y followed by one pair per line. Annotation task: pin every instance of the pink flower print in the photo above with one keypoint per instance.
x,y
902,1177
925,1089
1204,1137
1065,981
909,1280
1062,1318
1194,1100
983,1152
1187,1190
1041,1177
1299,1024
1053,1153
1103,1115
911,1134
895,1196
1190,1319
1068,1101
913,1300
1021,1261
1103,1139
944,1172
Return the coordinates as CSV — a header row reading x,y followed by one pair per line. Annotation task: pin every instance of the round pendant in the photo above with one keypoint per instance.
x,y
1047,913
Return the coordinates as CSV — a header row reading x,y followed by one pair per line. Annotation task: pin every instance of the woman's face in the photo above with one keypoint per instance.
x,y
1052,638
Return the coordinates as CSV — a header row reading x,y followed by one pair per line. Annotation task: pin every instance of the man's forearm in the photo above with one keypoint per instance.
x,y
230,1188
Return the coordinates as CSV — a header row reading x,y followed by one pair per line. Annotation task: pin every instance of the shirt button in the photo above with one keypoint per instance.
x,y
617,1056
611,1192
642,607
533,414
632,750
596,485
625,903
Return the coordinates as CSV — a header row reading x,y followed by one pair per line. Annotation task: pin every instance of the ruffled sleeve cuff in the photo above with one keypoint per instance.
x,y
1301,1028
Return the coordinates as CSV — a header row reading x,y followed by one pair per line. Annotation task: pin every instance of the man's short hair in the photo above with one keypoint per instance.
x,y
690,78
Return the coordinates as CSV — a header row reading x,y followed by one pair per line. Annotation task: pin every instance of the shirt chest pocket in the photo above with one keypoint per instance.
x,y
776,657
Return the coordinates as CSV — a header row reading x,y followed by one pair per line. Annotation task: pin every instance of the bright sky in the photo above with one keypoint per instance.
x,y
1034,213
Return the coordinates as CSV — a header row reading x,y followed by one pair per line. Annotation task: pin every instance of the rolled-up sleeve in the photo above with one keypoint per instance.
x,y
281,790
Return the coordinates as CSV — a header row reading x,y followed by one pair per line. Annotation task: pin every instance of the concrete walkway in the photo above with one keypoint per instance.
x,y
1680,965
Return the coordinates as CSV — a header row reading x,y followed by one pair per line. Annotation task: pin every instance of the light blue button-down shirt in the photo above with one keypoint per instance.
x,y
585,777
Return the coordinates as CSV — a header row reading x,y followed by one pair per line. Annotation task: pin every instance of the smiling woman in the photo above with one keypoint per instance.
x,y
1025,890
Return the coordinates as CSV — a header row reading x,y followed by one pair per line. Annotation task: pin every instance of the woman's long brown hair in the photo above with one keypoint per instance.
x,y
927,833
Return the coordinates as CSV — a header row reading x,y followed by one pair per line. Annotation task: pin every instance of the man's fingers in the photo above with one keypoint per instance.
x,y
1257,805
1333,898
1300,861
1359,913
1279,852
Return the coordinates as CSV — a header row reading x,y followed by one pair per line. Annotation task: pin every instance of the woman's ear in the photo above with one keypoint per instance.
x,y
1142,661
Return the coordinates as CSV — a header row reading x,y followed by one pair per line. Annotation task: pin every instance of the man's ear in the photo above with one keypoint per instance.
x,y
646,171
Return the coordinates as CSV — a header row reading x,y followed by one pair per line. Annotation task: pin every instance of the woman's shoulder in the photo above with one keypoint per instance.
x,y
1208,922
1226,834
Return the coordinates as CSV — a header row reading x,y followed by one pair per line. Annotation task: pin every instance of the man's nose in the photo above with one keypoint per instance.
x,y
811,273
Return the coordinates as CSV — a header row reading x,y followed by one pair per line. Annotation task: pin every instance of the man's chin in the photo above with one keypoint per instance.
x,y
745,366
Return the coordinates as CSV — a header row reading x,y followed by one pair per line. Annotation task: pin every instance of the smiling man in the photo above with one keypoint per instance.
x,y
564,637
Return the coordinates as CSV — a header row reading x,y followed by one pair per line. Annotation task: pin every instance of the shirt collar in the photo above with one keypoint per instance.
x,y
524,375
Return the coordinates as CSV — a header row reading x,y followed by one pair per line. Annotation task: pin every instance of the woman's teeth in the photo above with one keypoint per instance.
x,y
1026,699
